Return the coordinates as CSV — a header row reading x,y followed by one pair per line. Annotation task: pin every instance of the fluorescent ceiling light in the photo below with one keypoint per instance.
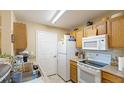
x,y
57,16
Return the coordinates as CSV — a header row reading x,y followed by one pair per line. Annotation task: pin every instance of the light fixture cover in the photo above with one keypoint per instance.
x,y
58,15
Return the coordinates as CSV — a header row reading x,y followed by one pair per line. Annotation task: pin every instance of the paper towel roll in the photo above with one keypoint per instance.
x,y
121,63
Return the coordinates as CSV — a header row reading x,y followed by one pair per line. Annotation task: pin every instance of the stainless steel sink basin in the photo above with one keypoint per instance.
x,y
4,70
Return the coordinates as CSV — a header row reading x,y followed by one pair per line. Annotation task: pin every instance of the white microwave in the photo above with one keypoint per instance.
x,y
99,42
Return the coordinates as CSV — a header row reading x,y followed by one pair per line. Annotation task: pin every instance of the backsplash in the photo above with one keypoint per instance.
x,y
99,57
113,52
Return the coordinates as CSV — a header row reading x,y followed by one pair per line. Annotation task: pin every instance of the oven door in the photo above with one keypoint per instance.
x,y
88,75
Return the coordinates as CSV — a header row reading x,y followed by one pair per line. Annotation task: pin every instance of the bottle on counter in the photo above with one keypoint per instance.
x,y
34,74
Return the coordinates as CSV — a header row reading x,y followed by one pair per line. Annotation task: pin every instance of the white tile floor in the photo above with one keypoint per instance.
x,y
57,79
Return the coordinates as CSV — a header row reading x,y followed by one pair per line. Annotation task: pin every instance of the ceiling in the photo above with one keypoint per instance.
x,y
68,20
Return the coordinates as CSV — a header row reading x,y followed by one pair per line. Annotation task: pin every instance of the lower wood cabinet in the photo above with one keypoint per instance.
x,y
110,78
73,71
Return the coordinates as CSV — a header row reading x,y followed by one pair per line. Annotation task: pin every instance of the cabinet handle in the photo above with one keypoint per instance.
x,y
12,38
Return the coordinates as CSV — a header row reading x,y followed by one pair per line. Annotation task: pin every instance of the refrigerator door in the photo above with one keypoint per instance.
x,y
62,66
61,47
65,52
71,49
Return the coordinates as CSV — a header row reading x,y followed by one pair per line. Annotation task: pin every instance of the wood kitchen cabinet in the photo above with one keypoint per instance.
x,y
90,31
101,27
116,32
20,36
73,71
87,30
110,78
79,36
0,41
73,34
0,33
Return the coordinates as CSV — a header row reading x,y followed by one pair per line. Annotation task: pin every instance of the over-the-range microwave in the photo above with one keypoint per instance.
x,y
99,42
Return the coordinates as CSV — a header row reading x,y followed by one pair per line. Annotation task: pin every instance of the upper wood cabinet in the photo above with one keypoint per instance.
x,y
73,33
90,31
116,32
20,36
87,30
101,27
79,36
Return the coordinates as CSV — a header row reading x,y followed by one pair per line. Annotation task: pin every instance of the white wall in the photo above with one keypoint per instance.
x,y
7,19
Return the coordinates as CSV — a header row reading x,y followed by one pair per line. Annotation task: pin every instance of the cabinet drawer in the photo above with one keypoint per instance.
x,y
111,77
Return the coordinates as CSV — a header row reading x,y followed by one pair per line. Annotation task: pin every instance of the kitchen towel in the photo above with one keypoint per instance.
x,y
121,63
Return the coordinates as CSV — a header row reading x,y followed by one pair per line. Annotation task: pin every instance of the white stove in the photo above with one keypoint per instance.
x,y
89,70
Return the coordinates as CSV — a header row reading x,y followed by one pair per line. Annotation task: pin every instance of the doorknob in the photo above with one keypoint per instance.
x,y
54,56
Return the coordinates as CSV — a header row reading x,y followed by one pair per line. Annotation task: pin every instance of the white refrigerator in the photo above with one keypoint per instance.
x,y
66,50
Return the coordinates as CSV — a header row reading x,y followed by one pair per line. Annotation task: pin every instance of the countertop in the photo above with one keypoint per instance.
x,y
113,70
76,59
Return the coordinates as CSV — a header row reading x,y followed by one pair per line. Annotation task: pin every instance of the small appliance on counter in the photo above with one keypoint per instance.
x,y
19,59
25,55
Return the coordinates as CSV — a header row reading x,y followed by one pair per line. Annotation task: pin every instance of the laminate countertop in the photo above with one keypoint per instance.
x,y
76,59
113,70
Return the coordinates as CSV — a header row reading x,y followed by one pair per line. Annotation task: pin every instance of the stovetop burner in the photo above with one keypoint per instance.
x,y
93,63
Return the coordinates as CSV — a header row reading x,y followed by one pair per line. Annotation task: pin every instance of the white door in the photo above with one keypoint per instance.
x,y
47,51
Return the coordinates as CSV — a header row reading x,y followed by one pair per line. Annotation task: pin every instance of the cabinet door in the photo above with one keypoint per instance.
x,y
79,35
90,31
73,33
110,78
117,32
87,30
101,27
73,71
0,39
0,42
20,36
